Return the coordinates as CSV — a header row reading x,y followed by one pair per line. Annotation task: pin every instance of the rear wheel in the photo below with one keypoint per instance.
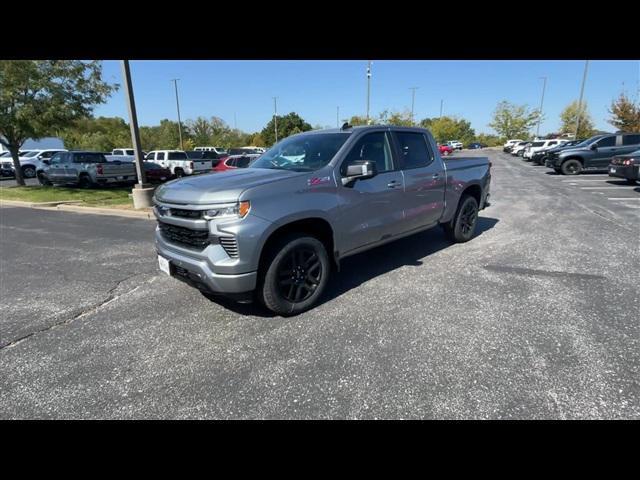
x,y
179,173
43,180
571,167
28,172
296,273
85,182
463,226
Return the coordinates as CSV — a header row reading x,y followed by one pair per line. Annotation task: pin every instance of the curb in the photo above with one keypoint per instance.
x,y
74,206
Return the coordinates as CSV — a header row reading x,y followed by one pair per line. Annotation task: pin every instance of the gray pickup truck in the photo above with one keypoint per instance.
x,y
275,230
85,169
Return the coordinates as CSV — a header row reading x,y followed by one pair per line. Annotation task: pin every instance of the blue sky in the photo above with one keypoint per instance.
x,y
470,89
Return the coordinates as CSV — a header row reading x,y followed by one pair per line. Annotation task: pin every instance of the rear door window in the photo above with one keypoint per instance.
x,y
177,156
414,151
160,156
607,142
630,139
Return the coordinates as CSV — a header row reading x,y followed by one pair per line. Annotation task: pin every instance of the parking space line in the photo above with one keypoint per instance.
x,y
608,188
624,199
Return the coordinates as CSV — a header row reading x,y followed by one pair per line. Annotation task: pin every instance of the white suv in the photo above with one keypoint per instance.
x,y
31,160
178,162
538,145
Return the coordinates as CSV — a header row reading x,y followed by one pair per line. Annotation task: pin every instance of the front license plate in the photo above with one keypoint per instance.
x,y
164,265
612,170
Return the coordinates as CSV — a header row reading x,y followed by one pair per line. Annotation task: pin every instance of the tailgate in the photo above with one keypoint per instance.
x,y
201,165
117,169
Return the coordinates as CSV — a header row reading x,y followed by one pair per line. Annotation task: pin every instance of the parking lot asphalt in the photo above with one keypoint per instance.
x,y
536,317
11,182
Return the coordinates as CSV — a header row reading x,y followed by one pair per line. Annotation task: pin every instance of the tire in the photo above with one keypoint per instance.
x,y
179,173
462,228
28,171
85,182
303,257
571,167
43,180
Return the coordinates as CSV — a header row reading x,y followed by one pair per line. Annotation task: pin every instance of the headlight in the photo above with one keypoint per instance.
x,y
228,210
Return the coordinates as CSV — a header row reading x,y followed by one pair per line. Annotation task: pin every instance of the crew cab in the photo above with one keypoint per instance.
x,y
179,163
593,154
626,166
85,169
30,161
274,231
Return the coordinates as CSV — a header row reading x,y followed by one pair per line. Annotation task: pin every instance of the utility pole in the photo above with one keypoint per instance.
x,y
175,83
544,85
441,103
413,101
338,117
584,79
368,88
275,116
235,123
142,192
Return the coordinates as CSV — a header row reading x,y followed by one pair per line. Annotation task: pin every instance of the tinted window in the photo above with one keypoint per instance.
x,y
231,162
243,162
88,158
374,147
413,150
630,139
537,144
149,156
129,152
177,156
57,158
151,166
607,142
160,156
117,152
194,154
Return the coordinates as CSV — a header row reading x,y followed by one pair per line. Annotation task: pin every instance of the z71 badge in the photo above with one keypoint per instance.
x,y
312,182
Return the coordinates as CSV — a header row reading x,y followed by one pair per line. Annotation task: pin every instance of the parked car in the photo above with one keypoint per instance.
x,y
31,161
507,147
178,162
206,155
594,154
156,173
244,151
7,170
626,166
455,144
234,161
538,145
518,148
540,156
276,229
445,149
85,169
476,146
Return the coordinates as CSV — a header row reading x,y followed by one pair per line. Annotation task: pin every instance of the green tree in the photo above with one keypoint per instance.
x,y
400,119
449,128
41,97
625,115
286,126
200,131
102,133
356,121
569,117
513,121
489,140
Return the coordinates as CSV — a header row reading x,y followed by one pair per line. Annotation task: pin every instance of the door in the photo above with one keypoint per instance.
x,y
424,180
607,148
56,170
370,209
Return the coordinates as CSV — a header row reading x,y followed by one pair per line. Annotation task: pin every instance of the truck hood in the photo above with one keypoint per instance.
x,y
572,150
220,187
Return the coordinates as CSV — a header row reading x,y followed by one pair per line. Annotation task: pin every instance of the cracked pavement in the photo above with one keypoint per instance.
x,y
536,317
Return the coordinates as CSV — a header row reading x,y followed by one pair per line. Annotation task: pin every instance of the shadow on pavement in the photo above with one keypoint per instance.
x,y
360,268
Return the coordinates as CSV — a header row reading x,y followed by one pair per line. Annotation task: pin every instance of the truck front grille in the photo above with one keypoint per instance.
x,y
183,213
185,236
230,246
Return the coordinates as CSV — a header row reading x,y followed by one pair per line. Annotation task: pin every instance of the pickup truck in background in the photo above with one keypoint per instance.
x,y
275,231
179,163
593,154
85,169
30,161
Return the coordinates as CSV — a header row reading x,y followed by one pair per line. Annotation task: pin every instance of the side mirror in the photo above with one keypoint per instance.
x,y
594,146
359,170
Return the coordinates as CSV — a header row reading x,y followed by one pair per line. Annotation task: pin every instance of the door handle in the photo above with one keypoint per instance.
x,y
435,175
394,184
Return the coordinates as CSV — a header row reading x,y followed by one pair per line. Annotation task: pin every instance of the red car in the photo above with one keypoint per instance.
x,y
234,161
445,149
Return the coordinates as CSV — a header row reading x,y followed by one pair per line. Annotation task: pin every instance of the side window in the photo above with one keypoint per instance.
x,y
630,139
117,152
414,151
150,156
243,162
57,158
607,142
232,162
47,154
160,156
553,143
374,147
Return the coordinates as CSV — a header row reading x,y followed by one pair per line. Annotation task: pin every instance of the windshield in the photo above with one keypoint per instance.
x,y
302,153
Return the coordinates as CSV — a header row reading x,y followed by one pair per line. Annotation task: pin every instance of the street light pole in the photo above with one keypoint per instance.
x,y
142,192
275,116
368,87
338,117
544,86
584,79
175,84
413,100
441,103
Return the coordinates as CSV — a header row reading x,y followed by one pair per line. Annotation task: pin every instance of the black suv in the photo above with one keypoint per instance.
x,y
593,154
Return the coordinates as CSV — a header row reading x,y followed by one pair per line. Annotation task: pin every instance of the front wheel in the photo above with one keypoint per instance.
x,y
463,226
297,272
571,167
28,172
43,180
